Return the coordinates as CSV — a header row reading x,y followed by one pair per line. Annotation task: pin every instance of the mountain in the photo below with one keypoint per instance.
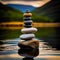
x,y
21,7
9,14
50,10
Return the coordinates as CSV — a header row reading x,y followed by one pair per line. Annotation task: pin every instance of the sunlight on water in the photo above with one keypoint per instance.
x,y
10,49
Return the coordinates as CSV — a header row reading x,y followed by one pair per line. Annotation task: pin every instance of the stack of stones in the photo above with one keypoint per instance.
x,y
28,40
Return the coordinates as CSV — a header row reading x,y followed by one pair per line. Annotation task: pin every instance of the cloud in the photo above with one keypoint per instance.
x,y
35,3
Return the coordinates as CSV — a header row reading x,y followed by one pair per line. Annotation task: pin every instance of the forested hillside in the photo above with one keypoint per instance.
x,y
8,14
48,12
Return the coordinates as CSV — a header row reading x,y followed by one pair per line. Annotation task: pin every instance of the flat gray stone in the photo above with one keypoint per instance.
x,y
28,21
27,36
28,30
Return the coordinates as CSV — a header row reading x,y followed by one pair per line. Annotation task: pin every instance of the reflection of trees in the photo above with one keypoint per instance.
x,y
55,41
9,33
57,38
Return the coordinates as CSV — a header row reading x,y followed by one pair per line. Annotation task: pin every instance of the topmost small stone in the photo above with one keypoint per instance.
x,y
27,13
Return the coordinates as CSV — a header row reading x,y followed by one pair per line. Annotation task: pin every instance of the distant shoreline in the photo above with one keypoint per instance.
x,y
19,25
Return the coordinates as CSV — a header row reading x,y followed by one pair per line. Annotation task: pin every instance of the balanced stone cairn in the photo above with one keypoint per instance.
x,y
28,40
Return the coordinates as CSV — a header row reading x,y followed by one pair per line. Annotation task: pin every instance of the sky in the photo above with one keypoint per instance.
x,y
35,3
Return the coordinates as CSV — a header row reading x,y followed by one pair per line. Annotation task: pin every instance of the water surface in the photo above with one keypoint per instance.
x,y
48,47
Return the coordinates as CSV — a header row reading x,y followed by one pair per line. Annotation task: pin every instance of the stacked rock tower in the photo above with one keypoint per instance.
x,y
28,37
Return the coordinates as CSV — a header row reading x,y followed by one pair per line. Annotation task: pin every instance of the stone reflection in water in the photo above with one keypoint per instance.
x,y
28,53
27,59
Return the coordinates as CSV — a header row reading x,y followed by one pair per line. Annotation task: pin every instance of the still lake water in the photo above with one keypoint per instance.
x,y
49,43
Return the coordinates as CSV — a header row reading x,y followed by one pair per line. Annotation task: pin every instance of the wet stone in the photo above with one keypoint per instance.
x,y
29,44
29,53
27,18
28,23
27,14
28,26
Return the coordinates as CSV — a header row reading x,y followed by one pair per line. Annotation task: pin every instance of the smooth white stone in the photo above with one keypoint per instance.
x,y
27,36
28,21
28,30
